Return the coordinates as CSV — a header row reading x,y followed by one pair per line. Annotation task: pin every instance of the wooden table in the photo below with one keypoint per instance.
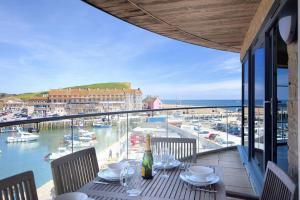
x,y
158,188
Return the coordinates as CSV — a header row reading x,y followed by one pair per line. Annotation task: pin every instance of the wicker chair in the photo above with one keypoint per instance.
x,y
277,186
72,171
184,149
20,187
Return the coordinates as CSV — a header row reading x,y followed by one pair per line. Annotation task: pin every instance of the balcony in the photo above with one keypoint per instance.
x,y
120,135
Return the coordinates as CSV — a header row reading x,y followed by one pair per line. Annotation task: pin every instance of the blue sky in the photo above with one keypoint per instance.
x,y
58,43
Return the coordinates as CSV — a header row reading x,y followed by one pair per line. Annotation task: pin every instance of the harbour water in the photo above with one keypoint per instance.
x,y
19,157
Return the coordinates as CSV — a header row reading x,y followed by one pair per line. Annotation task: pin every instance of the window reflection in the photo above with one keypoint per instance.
x,y
259,94
282,97
245,104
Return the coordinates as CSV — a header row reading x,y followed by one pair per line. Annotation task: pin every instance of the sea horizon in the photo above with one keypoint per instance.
x,y
203,102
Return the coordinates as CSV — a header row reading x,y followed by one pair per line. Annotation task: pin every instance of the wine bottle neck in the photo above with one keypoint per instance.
x,y
147,146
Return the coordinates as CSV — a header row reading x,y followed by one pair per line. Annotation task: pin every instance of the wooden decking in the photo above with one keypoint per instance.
x,y
235,175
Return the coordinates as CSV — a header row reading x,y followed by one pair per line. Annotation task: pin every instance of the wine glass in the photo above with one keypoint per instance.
x,y
130,178
156,160
165,157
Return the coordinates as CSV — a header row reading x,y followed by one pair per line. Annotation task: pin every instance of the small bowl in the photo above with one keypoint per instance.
x,y
201,172
72,196
116,167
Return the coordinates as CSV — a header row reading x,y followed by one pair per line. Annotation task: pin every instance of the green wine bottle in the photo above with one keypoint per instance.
x,y
147,163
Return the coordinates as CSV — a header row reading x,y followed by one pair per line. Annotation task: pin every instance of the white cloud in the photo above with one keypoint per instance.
x,y
228,65
230,89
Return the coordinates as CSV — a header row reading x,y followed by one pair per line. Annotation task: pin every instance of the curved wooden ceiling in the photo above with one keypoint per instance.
x,y
218,24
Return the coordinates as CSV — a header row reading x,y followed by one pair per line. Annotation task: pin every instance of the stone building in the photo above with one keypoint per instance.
x,y
87,100
40,105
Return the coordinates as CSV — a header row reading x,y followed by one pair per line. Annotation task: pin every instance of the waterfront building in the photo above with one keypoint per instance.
x,y
40,105
87,100
59,109
151,102
13,105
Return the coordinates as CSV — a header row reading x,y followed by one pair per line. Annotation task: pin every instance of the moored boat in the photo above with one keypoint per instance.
x,y
22,136
82,135
80,144
62,151
86,133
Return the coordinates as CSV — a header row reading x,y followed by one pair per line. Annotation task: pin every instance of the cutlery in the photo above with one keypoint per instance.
x,y
205,190
101,182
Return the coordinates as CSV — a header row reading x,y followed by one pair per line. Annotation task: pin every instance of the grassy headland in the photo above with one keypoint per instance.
x,y
111,85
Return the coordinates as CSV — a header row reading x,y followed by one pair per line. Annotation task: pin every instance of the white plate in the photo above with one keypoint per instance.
x,y
172,164
108,175
195,179
187,178
72,196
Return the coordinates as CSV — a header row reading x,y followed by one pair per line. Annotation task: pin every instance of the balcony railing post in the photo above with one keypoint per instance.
x,y
37,127
199,132
72,134
167,124
127,146
227,127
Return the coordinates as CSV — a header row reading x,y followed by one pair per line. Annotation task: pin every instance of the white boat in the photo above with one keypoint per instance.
x,y
86,133
80,144
62,151
85,138
82,135
80,125
22,136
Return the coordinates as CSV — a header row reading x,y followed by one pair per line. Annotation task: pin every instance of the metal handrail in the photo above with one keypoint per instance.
x,y
46,119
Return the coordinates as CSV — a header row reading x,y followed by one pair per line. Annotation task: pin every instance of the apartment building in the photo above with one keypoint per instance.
x,y
87,100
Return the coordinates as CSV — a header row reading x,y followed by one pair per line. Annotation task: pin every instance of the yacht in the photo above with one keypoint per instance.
x,y
86,133
82,135
80,125
76,137
80,144
62,151
22,136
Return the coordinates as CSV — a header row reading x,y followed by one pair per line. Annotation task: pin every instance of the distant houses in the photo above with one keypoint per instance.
x,y
75,101
152,102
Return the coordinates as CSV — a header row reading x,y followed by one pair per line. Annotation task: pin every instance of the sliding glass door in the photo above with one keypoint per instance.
x,y
259,98
245,104
265,96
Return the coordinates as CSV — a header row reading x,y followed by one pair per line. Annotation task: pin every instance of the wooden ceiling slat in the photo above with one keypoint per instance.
x,y
219,24
199,7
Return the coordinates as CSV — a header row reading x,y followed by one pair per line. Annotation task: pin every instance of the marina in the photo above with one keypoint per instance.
x,y
18,157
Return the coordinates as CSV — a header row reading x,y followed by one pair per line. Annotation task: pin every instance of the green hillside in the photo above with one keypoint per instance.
x,y
26,96
112,85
